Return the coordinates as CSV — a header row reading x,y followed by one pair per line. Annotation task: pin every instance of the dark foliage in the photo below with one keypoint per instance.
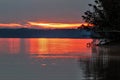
x,y
105,15
112,8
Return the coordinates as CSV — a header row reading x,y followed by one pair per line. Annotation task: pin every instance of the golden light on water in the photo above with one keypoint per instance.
x,y
59,48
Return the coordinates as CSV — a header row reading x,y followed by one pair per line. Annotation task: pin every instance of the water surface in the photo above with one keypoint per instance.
x,y
57,59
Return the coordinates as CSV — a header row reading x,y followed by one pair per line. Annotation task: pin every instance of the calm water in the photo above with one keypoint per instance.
x,y
57,59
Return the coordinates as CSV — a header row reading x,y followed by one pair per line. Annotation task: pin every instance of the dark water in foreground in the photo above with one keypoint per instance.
x,y
57,59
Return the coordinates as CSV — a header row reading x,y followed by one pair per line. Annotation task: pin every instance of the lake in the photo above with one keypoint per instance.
x,y
57,59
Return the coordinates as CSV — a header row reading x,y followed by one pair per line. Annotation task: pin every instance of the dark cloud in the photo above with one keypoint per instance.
x,y
50,10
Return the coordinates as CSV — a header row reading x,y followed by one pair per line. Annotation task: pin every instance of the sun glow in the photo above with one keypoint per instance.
x,y
56,25
43,25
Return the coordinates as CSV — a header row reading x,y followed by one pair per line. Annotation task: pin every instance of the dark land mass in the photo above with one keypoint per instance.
x,y
38,33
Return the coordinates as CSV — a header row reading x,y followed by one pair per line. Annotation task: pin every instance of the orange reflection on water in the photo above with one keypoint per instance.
x,y
14,45
9,45
46,47
59,47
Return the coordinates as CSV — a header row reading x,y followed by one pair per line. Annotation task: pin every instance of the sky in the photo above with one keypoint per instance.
x,y
21,12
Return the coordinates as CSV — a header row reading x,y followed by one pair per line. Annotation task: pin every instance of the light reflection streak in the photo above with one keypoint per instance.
x,y
59,48
46,47
10,45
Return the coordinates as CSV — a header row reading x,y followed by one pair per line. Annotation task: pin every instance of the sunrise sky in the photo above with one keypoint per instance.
x,y
42,13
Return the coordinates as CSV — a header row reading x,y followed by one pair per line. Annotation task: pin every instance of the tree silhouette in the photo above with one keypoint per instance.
x,y
105,15
112,8
97,16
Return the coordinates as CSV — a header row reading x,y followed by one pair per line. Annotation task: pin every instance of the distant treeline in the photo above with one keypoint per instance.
x,y
36,33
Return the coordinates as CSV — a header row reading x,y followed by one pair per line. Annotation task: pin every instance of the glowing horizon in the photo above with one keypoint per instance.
x,y
43,25
56,25
10,25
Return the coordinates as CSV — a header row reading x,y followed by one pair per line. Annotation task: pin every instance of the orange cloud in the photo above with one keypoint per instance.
x,y
55,25
43,25
11,25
